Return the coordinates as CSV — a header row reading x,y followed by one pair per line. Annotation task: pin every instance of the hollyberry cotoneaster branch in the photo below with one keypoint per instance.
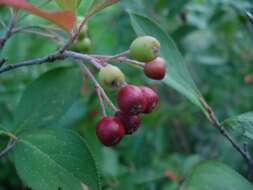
x,y
215,122
9,29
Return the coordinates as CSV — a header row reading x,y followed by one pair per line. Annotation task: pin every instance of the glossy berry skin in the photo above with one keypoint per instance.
x,y
130,123
151,97
130,100
155,69
145,48
111,76
110,131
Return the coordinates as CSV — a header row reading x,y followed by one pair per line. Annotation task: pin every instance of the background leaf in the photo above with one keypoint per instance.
x,y
48,98
64,19
211,175
71,5
52,159
98,5
242,124
178,76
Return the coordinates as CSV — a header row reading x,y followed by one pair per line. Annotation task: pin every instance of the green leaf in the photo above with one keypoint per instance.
x,y
178,76
211,175
98,5
71,5
242,124
52,159
48,98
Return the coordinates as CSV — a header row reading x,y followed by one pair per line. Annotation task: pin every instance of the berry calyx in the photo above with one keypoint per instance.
x,y
155,69
130,123
130,100
151,97
111,76
110,131
145,48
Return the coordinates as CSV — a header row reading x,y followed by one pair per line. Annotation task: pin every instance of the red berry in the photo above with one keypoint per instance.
x,y
130,123
151,97
110,131
156,69
130,100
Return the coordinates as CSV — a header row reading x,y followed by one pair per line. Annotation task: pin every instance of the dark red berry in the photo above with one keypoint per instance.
x,y
110,131
130,123
151,97
156,69
130,100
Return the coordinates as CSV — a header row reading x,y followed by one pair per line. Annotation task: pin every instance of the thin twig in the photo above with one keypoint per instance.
x,y
101,102
50,29
37,61
8,148
2,23
97,85
75,35
122,57
2,62
84,57
11,144
51,58
87,72
8,32
215,122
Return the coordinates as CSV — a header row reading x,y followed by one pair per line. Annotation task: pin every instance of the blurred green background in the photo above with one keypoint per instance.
x,y
216,40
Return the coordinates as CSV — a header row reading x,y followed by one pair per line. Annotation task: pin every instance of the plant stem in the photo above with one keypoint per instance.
x,y
75,35
86,70
8,32
121,57
10,145
215,122
100,99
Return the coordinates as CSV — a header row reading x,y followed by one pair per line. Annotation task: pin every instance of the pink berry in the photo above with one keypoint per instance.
x,y
155,69
151,97
130,100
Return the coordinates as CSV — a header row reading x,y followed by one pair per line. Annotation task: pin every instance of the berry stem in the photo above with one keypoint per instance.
x,y
121,57
117,56
100,99
130,61
87,71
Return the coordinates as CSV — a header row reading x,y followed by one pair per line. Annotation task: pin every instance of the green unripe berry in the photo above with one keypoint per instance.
x,y
83,33
84,45
111,76
145,48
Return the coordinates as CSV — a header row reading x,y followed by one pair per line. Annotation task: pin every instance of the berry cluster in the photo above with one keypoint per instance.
x,y
132,100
